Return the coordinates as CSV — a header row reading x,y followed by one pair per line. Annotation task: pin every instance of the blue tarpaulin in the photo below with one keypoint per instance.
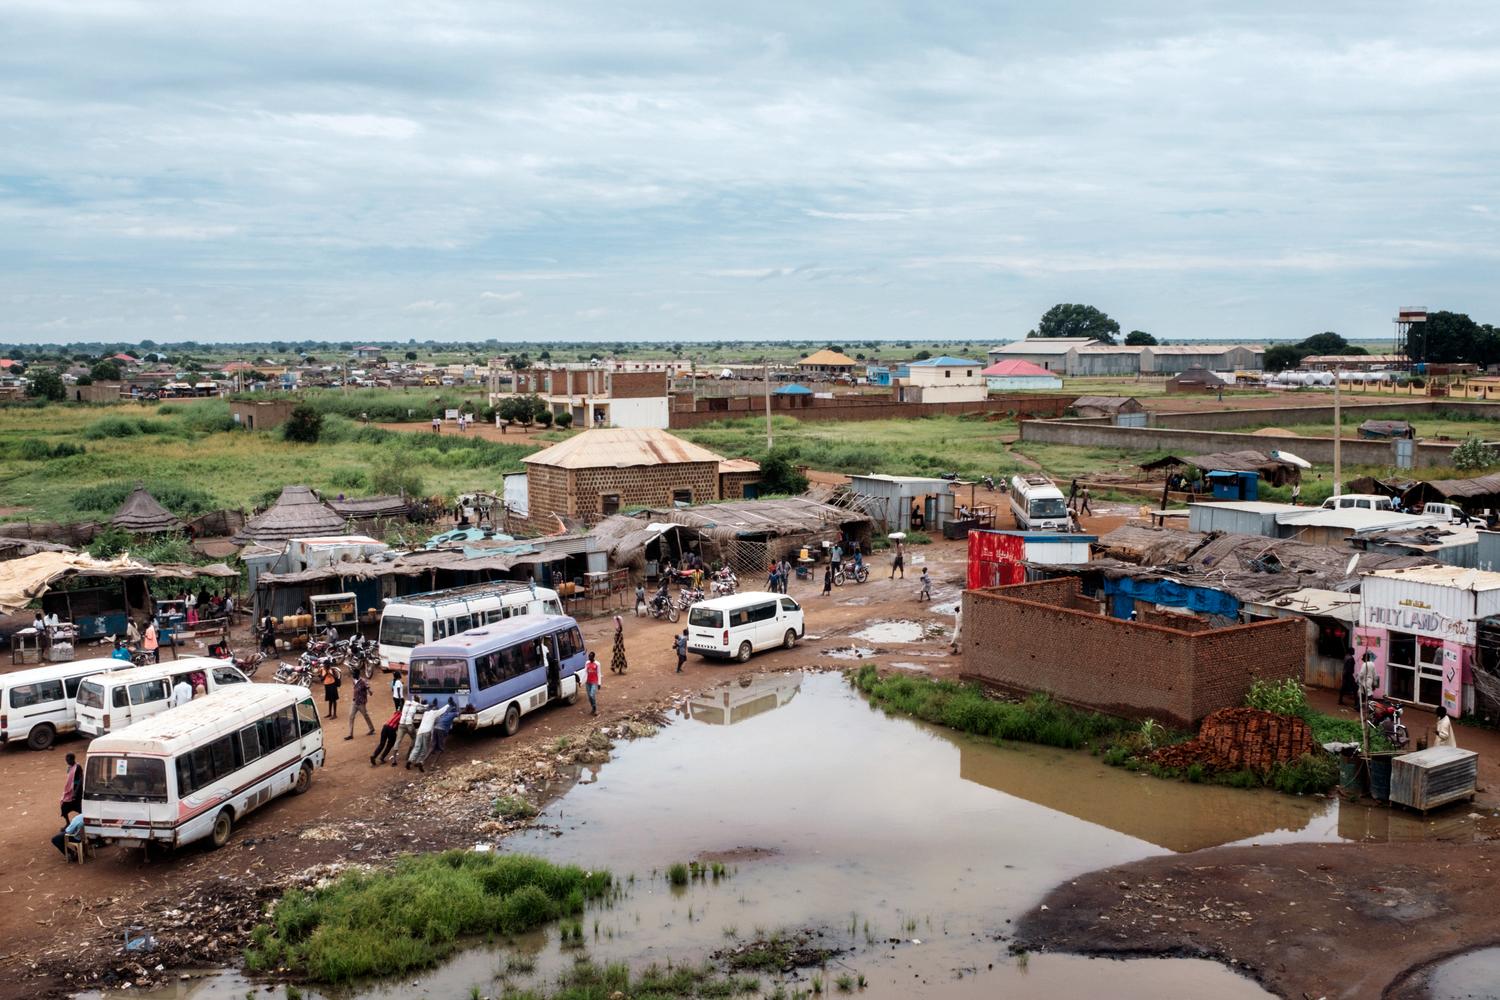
x,y
1122,594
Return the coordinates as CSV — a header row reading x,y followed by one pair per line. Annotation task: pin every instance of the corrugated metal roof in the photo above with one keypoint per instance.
x,y
944,362
1016,367
1443,576
739,465
619,448
827,357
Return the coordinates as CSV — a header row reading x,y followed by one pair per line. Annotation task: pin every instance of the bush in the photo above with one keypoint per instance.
x,y
122,427
1473,455
105,498
415,913
304,425
778,474
35,450
109,543
45,384
1286,697
564,420
544,418
1312,773
394,478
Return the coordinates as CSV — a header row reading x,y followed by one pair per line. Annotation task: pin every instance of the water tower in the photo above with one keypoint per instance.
x,y
1406,318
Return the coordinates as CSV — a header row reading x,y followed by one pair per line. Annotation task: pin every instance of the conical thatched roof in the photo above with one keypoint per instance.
x,y
141,514
297,513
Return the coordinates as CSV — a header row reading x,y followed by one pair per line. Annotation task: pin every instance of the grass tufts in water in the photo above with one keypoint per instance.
x,y
375,923
513,807
965,707
678,874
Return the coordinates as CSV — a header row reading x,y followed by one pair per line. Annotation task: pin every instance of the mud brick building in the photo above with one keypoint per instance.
x,y
1048,636
602,472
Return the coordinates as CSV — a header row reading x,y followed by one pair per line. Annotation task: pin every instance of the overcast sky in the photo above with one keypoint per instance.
x,y
653,171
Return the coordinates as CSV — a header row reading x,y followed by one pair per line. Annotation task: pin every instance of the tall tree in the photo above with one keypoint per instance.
x,y
1446,337
1069,319
1326,342
1139,338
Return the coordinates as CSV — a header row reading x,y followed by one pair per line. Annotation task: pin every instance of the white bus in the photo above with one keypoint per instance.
x,y
1037,503
741,624
36,705
407,622
114,701
192,772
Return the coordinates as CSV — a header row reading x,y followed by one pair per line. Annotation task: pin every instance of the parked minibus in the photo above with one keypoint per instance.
x,y
407,622
36,705
741,624
192,772
499,673
113,701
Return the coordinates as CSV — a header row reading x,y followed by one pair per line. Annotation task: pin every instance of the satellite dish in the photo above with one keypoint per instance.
x,y
1349,569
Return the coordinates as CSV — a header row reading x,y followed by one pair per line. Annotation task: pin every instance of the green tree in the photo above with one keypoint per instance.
x,y
1280,357
1074,319
1449,337
778,474
304,424
46,384
1139,338
411,355
1327,342
107,370
1474,455
922,355
563,420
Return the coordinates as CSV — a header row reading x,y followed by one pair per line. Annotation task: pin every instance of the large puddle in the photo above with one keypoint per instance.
x,y
1474,975
910,848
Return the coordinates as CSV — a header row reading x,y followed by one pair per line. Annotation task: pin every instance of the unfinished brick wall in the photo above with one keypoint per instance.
x,y
1148,615
578,492
732,484
1047,637
638,385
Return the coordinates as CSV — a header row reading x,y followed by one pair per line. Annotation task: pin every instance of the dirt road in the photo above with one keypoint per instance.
x,y
53,906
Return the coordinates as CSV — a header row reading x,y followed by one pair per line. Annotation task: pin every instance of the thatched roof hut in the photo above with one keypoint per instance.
x,y
142,514
297,513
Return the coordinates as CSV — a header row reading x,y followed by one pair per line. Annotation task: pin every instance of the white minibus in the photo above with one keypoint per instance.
x,y
36,705
741,624
408,622
1037,504
114,701
192,772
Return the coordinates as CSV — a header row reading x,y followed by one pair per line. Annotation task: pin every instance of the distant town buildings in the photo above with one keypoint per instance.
x,y
1081,356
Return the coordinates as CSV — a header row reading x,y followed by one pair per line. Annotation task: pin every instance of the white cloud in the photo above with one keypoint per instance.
x,y
502,296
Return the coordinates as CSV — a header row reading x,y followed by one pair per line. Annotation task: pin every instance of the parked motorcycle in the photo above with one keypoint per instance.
x,y
248,665
725,583
1383,716
293,673
688,597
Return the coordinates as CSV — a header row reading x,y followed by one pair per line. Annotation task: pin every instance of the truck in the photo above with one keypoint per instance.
x,y
1037,503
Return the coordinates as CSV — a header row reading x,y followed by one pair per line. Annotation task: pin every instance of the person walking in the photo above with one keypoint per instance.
x,y
72,792
152,645
422,745
898,562
679,646
1083,502
359,704
437,425
1347,687
617,656
958,625
331,691
387,738
406,727
828,579
925,593
591,682
1073,494
786,573
640,598
267,634
398,690
1443,729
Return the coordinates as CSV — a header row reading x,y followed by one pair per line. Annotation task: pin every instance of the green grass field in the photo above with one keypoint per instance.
x,y
189,453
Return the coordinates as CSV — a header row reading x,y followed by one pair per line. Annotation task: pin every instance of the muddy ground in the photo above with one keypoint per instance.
x,y
62,926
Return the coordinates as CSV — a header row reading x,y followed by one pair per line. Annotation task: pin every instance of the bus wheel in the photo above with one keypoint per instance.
x,y
41,736
745,651
304,779
790,639
512,720
223,827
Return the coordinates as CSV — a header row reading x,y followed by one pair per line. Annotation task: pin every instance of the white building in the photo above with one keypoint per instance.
x,y
1014,375
943,380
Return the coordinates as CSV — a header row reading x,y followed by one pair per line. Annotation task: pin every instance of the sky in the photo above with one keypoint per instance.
x,y
647,171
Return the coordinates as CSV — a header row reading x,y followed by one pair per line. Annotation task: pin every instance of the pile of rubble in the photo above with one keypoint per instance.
x,y
1233,739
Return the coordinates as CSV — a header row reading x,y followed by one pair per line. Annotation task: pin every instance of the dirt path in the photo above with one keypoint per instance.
x,y
61,908
1307,920
511,435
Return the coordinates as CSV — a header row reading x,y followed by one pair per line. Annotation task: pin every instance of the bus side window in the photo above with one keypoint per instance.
x,y
270,734
568,643
250,743
120,698
510,661
440,629
286,723
487,670
307,714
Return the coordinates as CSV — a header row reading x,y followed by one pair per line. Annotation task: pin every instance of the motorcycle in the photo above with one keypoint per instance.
x,y
293,673
248,665
663,607
989,483
688,597
849,569
1383,716
725,584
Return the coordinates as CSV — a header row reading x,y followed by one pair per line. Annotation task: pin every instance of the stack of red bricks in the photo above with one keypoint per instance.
x,y
1235,738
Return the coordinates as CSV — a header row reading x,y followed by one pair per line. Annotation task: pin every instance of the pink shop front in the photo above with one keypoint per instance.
x,y
1418,627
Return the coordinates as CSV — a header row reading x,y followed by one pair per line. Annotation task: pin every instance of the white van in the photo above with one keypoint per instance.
x,y
741,624
1358,501
114,701
36,705
194,771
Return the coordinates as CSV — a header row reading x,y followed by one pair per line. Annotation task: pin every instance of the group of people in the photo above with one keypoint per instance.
x,y
423,727
1078,499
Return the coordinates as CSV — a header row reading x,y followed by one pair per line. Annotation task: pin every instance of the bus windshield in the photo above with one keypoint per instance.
x,y
439,674
1049,507
91,695
116,778
398,631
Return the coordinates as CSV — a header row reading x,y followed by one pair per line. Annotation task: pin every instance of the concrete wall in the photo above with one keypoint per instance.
x,y
639,412
1282,416
1047,637
858,408
972,392
1191,442
262,416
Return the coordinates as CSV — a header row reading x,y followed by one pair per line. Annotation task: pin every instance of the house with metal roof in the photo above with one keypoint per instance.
x,y
827,363
1055,354
1017,374
607,470
943,380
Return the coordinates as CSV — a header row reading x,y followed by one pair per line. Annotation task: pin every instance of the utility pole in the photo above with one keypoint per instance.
x,y
1338,435
768,407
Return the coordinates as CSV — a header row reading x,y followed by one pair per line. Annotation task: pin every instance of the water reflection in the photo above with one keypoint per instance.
x,y
734,703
